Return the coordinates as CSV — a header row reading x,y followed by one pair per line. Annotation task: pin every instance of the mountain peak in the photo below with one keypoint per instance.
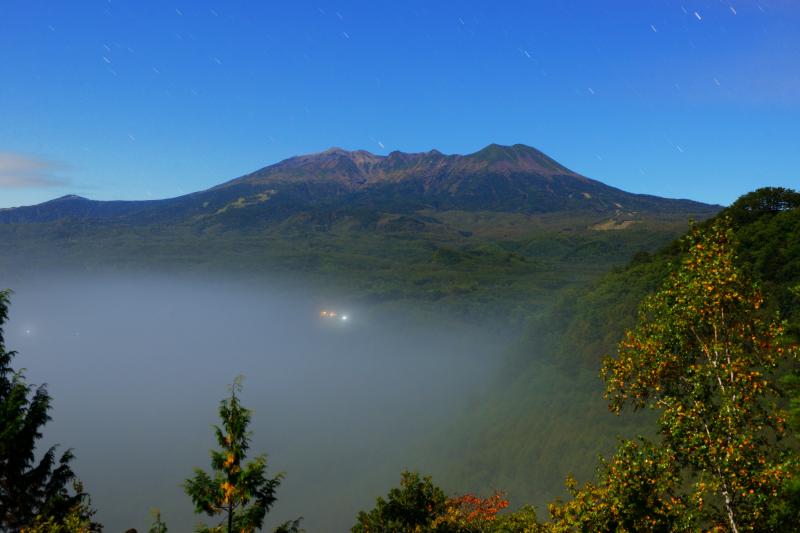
x,y
512,152
357,157
519,157
68,198
333,150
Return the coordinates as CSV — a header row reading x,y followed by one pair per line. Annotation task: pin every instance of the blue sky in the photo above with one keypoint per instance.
x,y
134,99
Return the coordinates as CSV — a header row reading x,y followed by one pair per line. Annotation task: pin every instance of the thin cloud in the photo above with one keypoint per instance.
x,y
18,171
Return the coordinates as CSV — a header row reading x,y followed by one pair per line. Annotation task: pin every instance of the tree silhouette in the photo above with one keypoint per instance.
x,y
31,492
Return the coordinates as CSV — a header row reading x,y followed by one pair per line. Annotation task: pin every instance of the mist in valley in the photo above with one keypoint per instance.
x,y
137,366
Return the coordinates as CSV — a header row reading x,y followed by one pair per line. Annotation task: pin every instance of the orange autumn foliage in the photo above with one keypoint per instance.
x,y
470,511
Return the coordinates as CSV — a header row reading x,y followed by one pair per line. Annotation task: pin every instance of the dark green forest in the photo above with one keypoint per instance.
x,y
668,387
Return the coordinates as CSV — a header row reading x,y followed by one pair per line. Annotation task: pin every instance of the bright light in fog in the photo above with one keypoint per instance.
x,y
333,314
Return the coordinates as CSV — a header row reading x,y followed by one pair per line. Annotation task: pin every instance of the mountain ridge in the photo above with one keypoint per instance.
x,y
367,168
512,179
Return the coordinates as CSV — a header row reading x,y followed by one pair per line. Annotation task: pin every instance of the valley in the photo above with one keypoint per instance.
x,y
359,232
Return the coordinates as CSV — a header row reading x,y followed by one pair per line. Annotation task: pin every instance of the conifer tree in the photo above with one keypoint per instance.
x,y
158,525
240,492
30,491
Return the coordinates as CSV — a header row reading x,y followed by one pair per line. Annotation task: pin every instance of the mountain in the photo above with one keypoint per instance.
x,y
508,179
493,233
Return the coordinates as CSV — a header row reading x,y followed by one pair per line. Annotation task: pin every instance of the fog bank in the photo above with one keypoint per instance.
x,y
137,367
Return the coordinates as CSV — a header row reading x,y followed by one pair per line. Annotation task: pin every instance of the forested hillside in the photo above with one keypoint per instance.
x,y
546,417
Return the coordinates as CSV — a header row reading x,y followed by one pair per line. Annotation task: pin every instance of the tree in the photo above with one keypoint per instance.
x,y
32,492
77,520
241,492
638,490
158,525
704,356
419,506
469,513
765,200
411,507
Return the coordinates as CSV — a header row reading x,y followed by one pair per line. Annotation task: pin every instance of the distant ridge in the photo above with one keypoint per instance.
x,y
513,179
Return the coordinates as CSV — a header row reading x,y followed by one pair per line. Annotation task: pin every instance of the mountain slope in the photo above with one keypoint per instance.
x,y
546,416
